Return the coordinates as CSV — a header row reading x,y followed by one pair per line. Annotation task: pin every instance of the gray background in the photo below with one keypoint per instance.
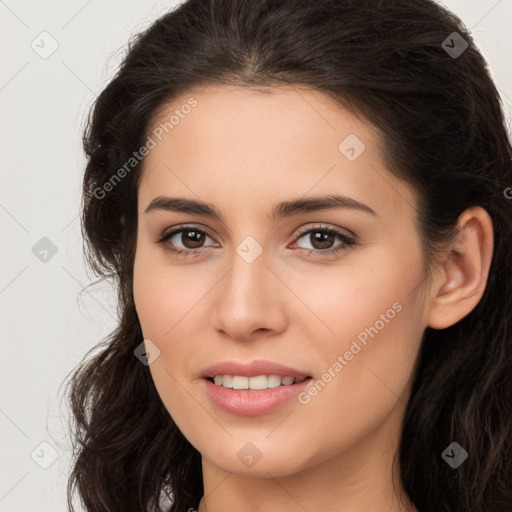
x,y
47,324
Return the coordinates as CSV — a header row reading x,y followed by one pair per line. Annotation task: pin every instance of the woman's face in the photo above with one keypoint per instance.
x,y
345,307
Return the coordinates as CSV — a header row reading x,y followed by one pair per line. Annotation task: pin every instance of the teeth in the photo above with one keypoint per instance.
x,y
240,382
273,381
254,383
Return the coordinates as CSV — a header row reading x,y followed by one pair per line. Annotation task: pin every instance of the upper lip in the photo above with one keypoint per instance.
x,y
252,369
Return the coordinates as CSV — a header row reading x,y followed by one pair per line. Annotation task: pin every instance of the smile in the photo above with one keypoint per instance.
x,y
253,402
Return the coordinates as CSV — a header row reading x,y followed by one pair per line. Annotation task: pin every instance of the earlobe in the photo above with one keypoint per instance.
x,y
460,282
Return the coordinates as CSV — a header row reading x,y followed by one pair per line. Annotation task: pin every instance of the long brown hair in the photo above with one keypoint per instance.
x,y
443,128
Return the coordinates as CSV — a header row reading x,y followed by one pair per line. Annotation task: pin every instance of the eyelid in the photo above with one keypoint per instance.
x,y
182,227
321,226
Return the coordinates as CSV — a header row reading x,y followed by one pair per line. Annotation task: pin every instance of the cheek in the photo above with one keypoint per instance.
x,y
364,291
164,294
165,300
368,354
170,301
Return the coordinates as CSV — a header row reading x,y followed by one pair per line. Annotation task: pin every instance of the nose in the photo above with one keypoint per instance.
x,y
250,300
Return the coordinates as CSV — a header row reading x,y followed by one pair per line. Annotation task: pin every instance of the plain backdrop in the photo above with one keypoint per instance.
x,y
47,324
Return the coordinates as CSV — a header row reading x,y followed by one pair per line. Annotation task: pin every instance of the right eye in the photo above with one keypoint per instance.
x,y
189,236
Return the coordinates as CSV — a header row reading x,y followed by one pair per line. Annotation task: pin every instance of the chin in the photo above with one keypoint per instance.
x,y
258,459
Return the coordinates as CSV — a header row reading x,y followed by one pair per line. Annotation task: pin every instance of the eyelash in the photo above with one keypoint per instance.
x,y
346,239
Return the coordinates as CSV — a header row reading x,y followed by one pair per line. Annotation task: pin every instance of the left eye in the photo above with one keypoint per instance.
x,y
192,240
322,239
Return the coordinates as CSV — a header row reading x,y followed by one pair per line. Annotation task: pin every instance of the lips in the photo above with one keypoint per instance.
x,y
248,402
252,403
252,369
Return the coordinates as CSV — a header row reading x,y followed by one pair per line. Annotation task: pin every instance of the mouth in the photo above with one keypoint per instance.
x,y
259,395
251,388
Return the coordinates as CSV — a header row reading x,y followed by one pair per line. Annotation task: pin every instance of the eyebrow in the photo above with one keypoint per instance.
x,y
280,210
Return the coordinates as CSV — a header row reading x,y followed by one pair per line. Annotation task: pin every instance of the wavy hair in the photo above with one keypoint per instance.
x,y
443,131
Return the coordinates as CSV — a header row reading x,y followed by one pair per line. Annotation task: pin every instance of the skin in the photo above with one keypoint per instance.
x,y
242,150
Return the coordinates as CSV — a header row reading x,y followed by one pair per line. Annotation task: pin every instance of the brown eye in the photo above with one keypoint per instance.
x,y
192,239
322,240
183,240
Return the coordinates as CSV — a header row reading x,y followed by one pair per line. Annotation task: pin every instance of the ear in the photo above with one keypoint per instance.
x,y
460,281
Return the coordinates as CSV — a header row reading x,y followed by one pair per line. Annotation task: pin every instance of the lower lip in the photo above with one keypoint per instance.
x,y
252,403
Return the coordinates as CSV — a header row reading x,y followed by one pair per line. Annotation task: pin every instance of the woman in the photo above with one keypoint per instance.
x,y
366,370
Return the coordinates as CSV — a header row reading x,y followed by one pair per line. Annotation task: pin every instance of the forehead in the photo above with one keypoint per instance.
x,y
222,112
257,143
